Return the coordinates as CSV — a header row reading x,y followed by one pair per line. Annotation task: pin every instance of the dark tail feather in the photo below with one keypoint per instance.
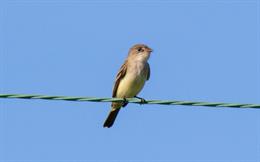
x,y
111,117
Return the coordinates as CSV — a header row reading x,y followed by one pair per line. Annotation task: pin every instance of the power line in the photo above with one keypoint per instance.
x,y
130,100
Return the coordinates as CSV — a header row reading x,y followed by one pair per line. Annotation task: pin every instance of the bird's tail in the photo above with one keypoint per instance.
x,y
111,117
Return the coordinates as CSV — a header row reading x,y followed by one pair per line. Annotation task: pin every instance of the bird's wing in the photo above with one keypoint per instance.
x,y
148,72
120,75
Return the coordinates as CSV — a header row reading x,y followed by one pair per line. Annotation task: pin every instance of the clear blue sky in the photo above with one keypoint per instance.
x,y
204,50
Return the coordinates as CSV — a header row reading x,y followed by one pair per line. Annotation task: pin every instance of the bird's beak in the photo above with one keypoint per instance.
x,y
150,50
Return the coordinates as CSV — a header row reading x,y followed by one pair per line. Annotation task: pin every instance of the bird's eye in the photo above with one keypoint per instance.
x,y
140,49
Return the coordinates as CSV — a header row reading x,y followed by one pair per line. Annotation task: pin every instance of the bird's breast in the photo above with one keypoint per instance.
x,y
133,82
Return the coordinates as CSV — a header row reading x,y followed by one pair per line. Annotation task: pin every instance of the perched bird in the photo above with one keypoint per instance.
x,y
130,79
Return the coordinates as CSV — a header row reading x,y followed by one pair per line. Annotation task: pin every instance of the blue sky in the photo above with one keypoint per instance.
x,y
204,50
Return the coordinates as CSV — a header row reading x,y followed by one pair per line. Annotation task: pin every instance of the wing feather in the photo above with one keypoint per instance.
x,y
149,71
120,75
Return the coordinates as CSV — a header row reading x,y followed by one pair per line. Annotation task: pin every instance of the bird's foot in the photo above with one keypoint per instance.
x,y
143,101
125,102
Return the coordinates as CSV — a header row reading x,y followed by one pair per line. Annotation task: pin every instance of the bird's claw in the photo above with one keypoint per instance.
x,y
143,101
125,102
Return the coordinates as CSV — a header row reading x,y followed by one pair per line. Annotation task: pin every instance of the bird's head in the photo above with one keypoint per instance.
x,y
140,52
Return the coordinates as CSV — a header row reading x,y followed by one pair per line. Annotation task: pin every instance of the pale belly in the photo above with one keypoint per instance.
x,y
130,86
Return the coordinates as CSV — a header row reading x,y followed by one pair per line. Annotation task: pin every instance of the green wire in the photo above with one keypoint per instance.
x,y
130,100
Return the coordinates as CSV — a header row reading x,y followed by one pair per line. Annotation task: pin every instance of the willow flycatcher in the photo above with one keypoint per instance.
x,y
130,79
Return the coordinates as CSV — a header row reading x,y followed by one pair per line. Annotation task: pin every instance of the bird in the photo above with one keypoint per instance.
x,y
130,79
